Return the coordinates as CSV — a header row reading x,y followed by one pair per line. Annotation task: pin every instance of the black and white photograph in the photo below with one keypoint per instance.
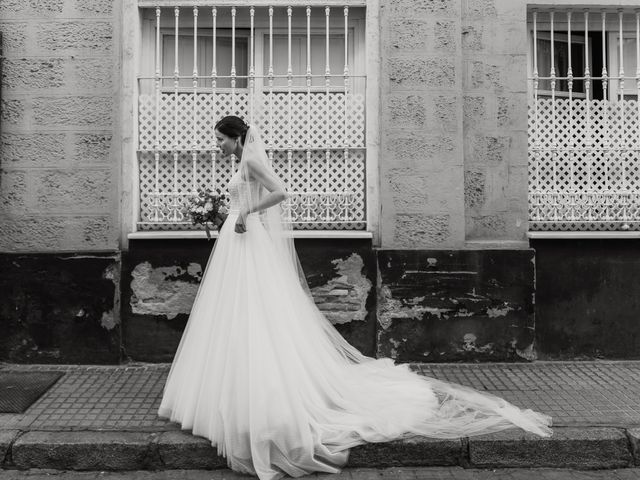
x,y
330,239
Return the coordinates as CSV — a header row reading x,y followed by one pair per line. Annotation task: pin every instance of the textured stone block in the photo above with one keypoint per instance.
x,y
410,34
488,149
91,148
74,190
85,451
409,110
95,37
473,38
181,450
474,189
474,111
414,452
32,73
488,226
480,8
12,111
32,149
511,113
445,108
73,111
100,7
94,74
424,8
31,233
413,150
13,189
420,190
516,80
416,229
57,233
486,76
584,448
30,8
423,73
411,193
446,35
14,38
98,233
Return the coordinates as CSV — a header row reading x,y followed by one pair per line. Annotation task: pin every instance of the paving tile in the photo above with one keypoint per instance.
x,y
574,393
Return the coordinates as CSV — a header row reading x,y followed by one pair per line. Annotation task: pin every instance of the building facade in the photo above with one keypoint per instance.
x,y
463,172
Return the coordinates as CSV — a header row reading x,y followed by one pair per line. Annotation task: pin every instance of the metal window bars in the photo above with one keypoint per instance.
x,y
584,143
315,135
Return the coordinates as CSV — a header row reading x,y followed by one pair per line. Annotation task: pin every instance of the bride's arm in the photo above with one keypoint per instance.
x,y
276,193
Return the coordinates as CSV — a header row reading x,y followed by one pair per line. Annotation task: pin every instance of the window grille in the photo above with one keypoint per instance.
x,y
584,119
296,72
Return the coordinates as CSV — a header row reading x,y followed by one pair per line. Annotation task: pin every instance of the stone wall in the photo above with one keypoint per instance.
x,y
494,45
453,161
421,157
59,179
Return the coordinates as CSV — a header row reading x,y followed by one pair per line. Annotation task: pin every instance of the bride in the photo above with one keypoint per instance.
x,y
265,376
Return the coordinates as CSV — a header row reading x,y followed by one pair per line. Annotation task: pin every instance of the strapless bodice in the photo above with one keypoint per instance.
x,y
238,194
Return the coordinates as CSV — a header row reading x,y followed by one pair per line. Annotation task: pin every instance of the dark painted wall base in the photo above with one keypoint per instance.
x,y
432,306
161,278
587,298
59,308
442,306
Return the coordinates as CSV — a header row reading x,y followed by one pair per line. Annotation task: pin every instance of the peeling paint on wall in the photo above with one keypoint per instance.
x,y
108,320
451,305
167,291
343,299
390,308
499,311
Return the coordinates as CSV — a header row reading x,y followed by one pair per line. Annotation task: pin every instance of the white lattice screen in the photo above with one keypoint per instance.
x,y
584,166
584,143
315,136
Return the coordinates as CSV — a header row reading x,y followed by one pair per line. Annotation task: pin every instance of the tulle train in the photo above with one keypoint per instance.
x,y
261,373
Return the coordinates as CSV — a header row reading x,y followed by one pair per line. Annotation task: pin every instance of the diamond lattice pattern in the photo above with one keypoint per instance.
x,y
316,142
584,165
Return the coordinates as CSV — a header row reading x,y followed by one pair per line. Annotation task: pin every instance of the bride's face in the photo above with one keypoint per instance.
x,y
227,145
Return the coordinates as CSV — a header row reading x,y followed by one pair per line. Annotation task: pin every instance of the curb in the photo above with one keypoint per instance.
x,y
569,447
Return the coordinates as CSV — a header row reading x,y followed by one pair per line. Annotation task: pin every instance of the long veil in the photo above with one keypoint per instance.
x,y
461,411
278,222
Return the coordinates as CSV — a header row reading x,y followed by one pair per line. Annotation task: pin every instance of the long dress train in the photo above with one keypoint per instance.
x,y
264,375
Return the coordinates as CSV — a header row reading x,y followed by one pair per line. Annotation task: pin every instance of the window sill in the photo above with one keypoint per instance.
x,y
582,235
177,235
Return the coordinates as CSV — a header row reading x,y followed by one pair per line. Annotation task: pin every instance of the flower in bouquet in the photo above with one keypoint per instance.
x,y
207,208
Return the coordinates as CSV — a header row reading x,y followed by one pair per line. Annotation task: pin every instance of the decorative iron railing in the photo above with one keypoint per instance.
x,y
313,123
584,120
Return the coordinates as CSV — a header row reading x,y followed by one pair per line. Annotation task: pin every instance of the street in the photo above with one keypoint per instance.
x,y
433,473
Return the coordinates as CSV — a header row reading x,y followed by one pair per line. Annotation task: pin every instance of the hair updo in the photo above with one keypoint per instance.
x,y
233,127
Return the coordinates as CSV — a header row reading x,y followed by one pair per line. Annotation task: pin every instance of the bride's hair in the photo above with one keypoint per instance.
x,y
233,127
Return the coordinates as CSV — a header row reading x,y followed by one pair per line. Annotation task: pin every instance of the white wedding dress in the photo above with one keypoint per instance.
x,y
263,374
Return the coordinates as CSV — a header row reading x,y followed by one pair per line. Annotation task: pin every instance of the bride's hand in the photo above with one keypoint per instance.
x,y
241,222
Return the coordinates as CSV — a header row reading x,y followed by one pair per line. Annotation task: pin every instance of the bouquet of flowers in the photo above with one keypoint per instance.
x,y
207,207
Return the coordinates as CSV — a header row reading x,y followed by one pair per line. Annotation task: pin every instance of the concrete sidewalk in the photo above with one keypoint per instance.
x,y
104,418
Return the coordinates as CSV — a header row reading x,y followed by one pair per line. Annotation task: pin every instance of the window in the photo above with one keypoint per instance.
x,y
205,58
315,134
584,135
561,63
